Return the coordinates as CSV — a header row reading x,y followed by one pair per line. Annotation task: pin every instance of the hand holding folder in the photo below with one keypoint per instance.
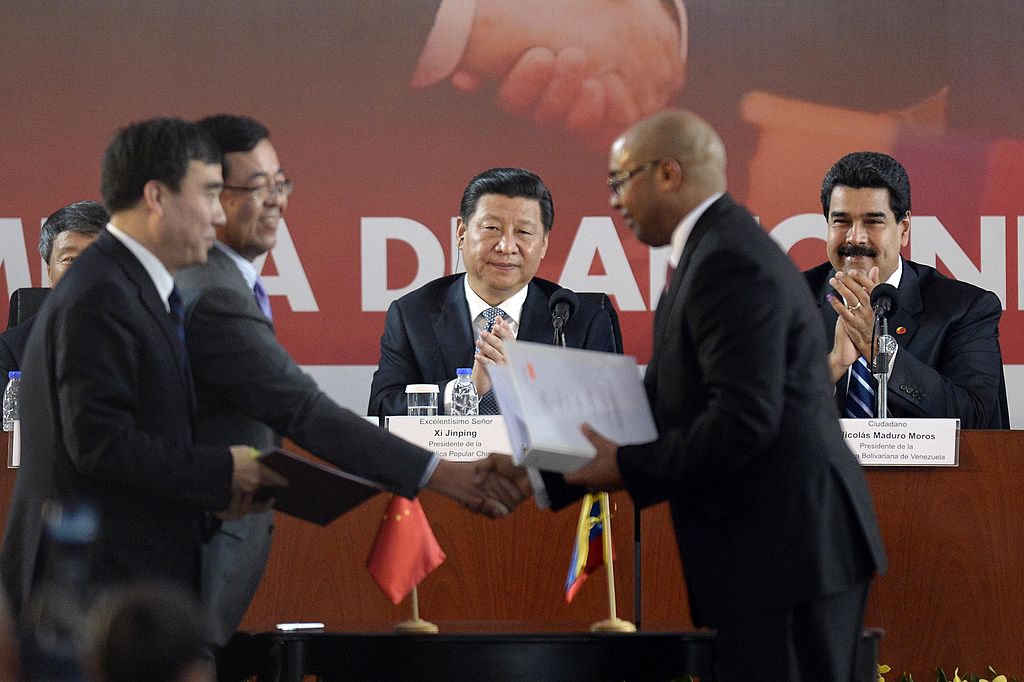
x,y
316,492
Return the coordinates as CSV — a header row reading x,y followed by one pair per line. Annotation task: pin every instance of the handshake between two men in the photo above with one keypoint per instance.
x,y
503,485
493,486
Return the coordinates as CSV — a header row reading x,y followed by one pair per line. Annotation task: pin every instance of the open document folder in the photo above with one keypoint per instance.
x,y
546,393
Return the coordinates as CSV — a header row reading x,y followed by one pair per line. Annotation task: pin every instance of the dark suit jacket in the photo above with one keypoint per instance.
x,y
12,348
770,507
428,335
107,415
948,364
249,390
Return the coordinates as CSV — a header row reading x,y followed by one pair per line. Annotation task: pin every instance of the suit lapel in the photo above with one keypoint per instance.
x,y
151,301
667,302
453,329
910,306
535,323
662,314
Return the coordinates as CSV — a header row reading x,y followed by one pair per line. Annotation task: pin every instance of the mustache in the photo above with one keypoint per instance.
x,y
856,251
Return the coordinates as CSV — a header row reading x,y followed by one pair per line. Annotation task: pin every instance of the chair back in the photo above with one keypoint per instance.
x,y
25,303
602,301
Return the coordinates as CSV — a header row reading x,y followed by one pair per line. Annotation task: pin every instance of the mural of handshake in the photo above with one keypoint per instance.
x,y
592,66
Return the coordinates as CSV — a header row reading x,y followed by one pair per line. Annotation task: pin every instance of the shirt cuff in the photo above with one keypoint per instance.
x,y
429,471
540,492
445,43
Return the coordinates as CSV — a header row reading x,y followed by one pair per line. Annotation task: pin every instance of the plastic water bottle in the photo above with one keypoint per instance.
x,y
11,400
54,639
465,401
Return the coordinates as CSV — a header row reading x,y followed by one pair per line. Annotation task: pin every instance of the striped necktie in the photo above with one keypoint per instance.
x,y
262,299
860,397
177,312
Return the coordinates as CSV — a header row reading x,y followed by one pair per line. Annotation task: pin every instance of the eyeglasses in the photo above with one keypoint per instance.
x,y
263,192
617,181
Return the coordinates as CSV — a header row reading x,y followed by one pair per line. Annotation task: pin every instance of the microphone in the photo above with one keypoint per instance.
x,y
885,300
563,303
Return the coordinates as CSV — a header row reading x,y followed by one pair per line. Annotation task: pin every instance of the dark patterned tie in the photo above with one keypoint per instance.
x,y
262,299
860,397
488,404
492,314
177,312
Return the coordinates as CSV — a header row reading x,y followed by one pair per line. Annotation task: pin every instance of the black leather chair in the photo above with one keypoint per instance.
x,y
25,303
605,303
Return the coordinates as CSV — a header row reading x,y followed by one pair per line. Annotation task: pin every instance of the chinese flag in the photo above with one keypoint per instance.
x,y
405,549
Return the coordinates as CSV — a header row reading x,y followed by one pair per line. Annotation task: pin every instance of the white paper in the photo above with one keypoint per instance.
x,y
457,438
904,442
546,393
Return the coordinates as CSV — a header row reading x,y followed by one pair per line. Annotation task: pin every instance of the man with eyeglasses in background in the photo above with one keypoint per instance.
x,y
247,383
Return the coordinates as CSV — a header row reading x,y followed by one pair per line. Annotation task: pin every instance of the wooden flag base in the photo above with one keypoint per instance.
x,y
416,626
613,625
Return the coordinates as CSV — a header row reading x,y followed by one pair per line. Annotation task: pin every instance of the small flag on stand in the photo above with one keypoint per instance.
x,y
588,552
405,549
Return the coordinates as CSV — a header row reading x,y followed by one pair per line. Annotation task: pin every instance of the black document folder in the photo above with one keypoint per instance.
x,y
316,492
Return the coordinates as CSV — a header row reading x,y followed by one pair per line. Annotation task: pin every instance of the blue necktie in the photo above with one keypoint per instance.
x,y
488,404
860,397
262,299
177,312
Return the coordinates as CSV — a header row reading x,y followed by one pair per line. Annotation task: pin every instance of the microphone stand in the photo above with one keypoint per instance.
x,y
883,355
559,322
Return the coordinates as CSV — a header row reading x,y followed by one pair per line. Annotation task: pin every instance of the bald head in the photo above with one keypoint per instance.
x,y
686,160
685,137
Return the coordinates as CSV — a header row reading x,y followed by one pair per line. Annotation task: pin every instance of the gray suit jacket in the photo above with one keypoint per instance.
x,y
249,389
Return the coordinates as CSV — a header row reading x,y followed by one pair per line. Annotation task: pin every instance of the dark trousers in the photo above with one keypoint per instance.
x,y
815,641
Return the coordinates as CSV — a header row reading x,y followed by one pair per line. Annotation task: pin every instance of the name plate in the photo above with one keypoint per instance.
x,y
456,438
904,442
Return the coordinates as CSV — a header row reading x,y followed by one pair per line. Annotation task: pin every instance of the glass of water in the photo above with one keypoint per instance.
x,y
421,400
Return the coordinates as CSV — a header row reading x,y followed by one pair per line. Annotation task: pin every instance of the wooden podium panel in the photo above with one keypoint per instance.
x,y
953,595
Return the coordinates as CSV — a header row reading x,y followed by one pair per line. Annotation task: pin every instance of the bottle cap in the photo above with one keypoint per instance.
x,y
463,370
15,374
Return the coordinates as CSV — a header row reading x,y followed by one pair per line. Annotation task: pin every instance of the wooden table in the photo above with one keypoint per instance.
x,y
953,596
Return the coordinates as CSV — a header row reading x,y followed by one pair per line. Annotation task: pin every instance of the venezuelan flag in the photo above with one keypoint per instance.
x,y
588,552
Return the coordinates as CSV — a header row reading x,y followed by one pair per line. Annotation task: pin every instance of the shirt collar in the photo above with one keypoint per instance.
x,y
897,276
513,305
158,273
682,232
245,267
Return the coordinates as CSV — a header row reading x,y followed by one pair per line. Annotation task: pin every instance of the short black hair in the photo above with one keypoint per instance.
x,y
157,149
869,170
234,134
146,631
508,182
87,217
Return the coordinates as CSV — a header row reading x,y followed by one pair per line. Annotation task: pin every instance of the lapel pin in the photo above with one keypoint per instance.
x,y
901,330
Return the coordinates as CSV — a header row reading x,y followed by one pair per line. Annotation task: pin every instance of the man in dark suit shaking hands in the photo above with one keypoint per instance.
x,y
107,400
772,514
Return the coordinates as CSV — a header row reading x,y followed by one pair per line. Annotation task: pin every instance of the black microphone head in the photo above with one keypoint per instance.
x,y
563,303
885,299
